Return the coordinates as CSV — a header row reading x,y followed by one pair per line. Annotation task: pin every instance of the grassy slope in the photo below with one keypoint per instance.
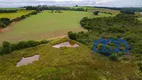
x,y
64,64
46,25
14,15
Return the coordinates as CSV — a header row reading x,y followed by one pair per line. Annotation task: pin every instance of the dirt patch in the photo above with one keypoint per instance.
x,y
8,27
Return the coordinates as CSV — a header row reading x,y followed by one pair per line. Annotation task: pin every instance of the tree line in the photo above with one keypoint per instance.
x,y
44,7
8,11
7,47
4,22
124,26
125,10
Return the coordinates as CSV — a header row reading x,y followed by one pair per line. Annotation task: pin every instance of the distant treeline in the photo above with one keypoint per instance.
x,y
8,11
4,22
53,8
135,9
126,10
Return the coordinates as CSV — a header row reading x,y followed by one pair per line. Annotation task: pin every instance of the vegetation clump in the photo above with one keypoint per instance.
x,y
8,47
4,22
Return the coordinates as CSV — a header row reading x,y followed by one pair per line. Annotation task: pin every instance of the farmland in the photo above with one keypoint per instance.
x,y
63,40
14,15
46,25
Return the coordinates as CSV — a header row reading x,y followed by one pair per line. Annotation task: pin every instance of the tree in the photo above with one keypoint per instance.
x,y
113,57
96,12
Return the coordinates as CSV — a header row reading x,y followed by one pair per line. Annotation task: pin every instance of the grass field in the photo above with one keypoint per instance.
x,y
64,64
14,15
140,18
46,25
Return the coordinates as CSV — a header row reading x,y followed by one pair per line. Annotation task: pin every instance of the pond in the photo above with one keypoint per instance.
x,y
27,60
65,44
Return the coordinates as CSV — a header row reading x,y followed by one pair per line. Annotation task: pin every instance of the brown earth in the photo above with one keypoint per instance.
x,y
8,27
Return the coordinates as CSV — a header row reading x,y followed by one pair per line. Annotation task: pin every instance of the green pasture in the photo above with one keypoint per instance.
x,y
64,64
46,25
140,18
15,15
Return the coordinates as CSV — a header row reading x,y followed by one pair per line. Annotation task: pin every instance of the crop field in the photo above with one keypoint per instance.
x,y
46,25
14,15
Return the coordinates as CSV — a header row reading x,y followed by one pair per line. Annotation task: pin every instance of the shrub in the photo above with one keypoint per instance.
x,y
113,57
13,47
32,43
6,47
96,12
1,51
44,42
72,35
4,22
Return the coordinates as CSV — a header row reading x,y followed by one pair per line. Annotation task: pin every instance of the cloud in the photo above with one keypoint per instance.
x,y
115,3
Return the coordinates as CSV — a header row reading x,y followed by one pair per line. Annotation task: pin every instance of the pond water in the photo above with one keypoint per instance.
x,y
65,44
26,61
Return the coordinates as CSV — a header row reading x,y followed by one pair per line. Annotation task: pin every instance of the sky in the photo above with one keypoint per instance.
x,y
109,3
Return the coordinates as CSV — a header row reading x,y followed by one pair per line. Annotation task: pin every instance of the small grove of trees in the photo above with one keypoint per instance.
x,y
8,47
4,22
96,12
8,11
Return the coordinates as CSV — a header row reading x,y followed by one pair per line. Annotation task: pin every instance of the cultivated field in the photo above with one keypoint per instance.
x,y
14,15
46,25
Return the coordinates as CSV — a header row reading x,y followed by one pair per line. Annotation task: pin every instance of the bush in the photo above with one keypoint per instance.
x,y
6,47
32,43
44,42
72,35
113,57
96,12
4,22
1,51
13,47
